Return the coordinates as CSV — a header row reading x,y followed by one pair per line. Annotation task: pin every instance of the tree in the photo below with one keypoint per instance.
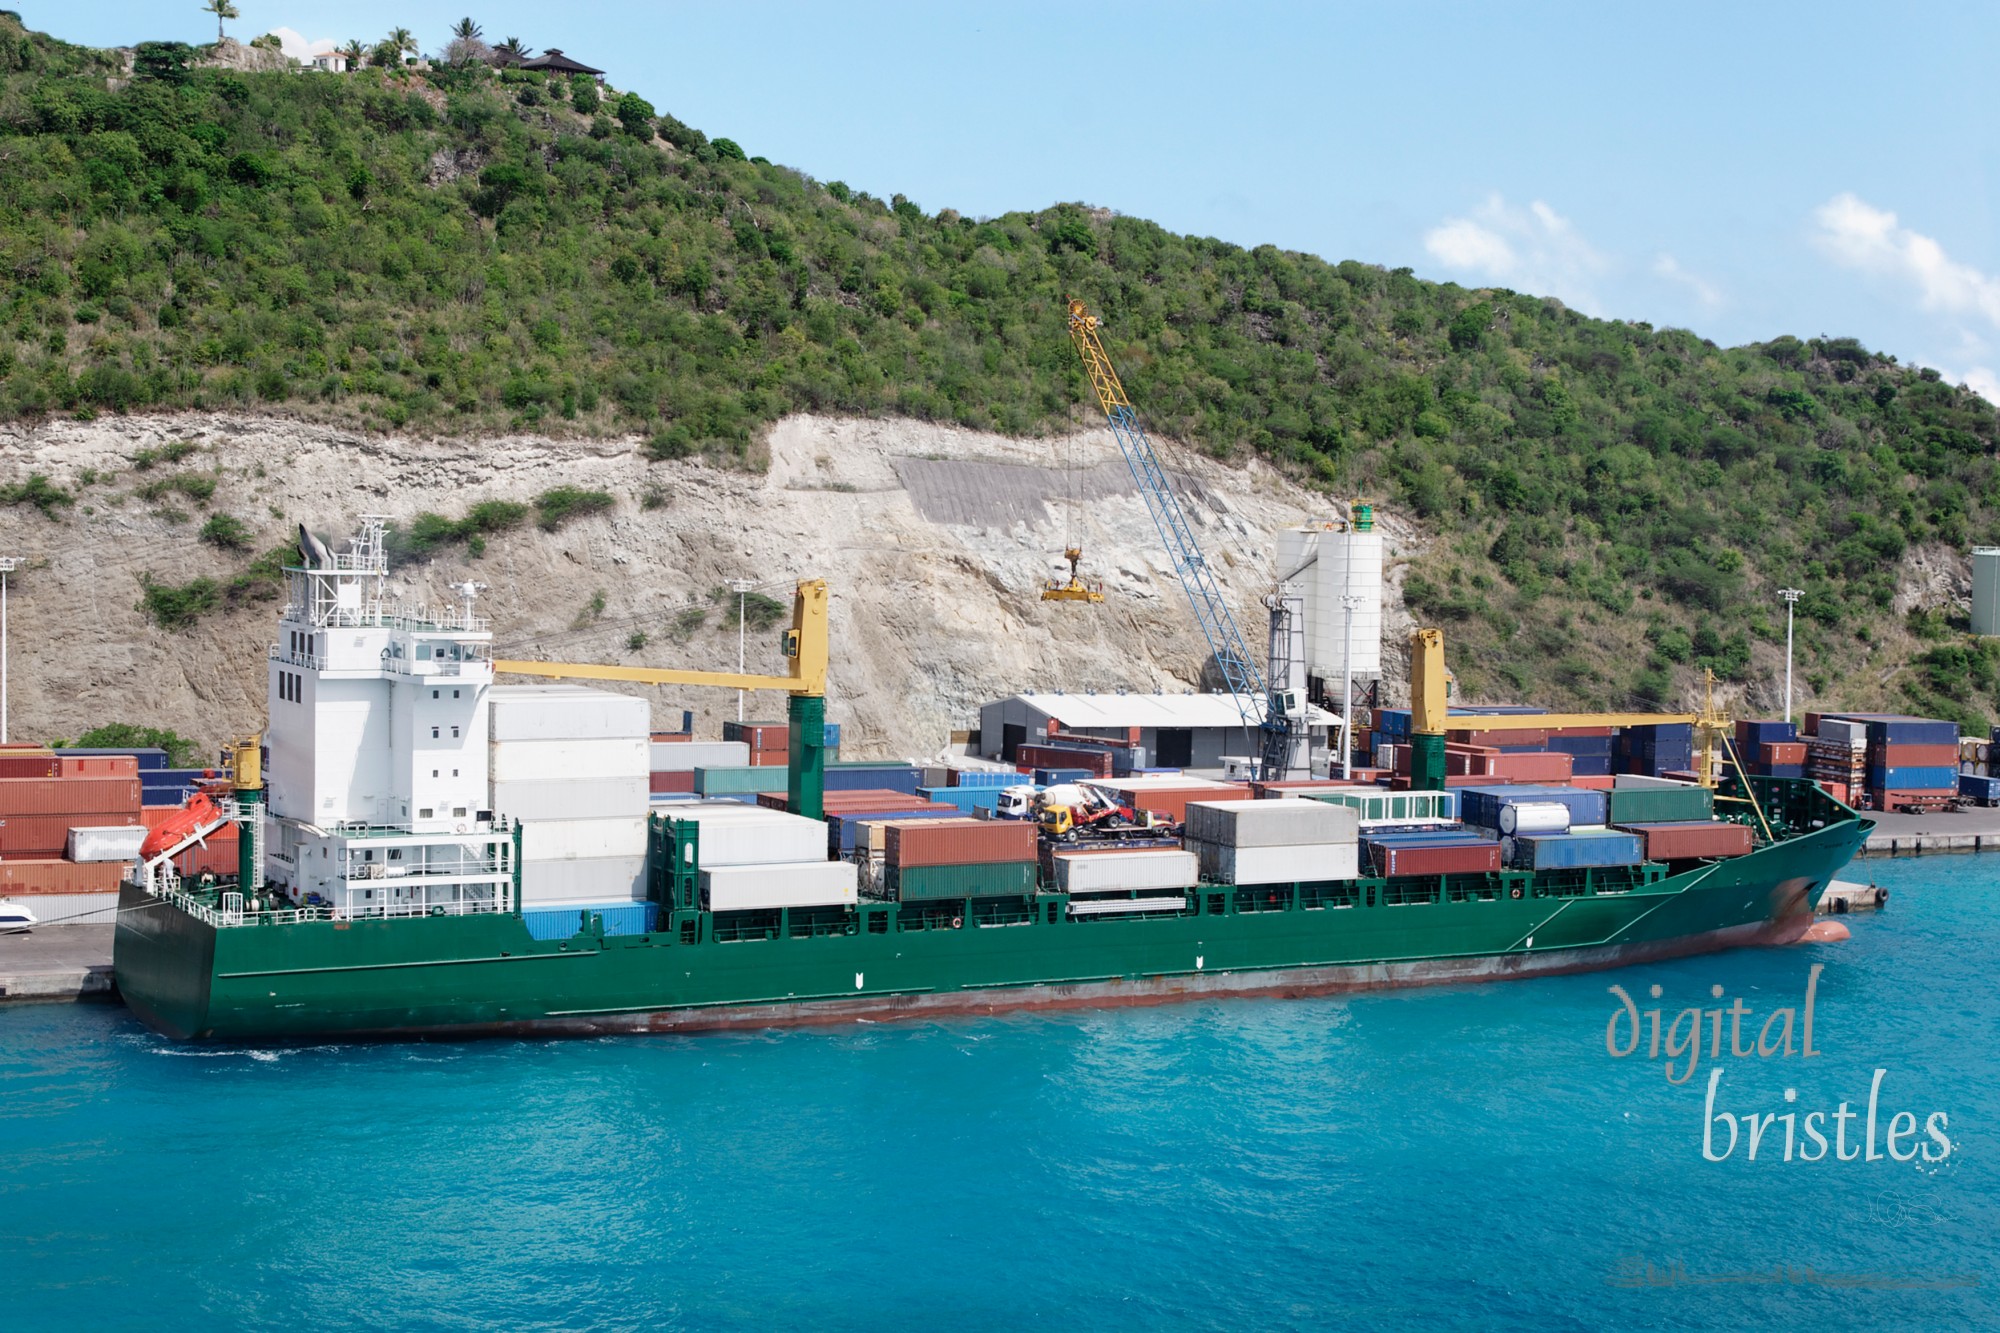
x,y
515,47
355,53
402,41
635,113
166,61
583,93
465,30
222,9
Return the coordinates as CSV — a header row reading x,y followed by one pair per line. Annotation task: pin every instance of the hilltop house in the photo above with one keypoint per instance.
x,y
553,61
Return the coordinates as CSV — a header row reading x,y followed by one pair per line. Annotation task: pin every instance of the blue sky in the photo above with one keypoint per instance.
x,y
1742,170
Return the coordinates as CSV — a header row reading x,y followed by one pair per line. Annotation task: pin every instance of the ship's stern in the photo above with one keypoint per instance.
x,y
163,959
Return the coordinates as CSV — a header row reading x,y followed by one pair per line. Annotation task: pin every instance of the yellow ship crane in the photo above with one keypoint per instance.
x,y
804,646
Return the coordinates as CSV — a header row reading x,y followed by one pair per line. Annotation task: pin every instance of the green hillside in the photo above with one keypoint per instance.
x,y
461,252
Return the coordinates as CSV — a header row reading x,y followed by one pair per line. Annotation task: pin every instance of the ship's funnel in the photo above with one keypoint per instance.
x,y
316,553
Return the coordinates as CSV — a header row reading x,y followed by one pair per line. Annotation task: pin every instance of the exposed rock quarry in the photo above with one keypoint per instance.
x,y
935,543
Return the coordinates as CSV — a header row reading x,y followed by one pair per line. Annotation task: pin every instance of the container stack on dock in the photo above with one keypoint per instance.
x,y
1889,761
1770,748
929,859
570,764
1837,756
64,817
1282,841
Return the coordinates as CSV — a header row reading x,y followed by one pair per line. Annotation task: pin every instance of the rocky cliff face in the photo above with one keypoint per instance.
x,y
934,541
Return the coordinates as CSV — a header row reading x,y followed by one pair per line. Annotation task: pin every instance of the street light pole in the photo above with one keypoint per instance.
x,y
743,587
8,564
1791,595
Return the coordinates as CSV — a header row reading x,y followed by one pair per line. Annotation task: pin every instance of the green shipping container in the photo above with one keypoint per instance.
x,y
992,879
739,781
1660,805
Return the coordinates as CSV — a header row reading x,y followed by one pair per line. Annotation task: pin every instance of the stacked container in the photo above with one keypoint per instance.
x,y
769,743
1122,870
928,859
754,859
53,804
1443,852
1654,749
1579,849
673,762
1642,800
1483,807
1706,839
1912,762
1286,841
570,764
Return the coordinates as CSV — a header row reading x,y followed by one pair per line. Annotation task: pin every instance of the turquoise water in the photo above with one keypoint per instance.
x,y
1464,1158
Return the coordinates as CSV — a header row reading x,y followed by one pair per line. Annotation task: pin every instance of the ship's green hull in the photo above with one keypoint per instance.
x,y
467,975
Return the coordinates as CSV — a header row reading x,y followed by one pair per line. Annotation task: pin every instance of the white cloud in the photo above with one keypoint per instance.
x,y
295,45
1532,249
1666,266
1857,235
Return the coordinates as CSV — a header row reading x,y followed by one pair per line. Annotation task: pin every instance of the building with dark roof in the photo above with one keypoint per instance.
x,y
553,61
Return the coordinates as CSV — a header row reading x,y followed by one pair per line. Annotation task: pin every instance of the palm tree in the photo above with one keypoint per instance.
x,y
402,41
514,46
466,30
354,51
222,9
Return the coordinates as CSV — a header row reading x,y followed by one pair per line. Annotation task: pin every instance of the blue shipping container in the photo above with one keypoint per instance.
x,y
1984,790
1590,766
985,777
1764,731
559,923
149,758
1910,731
1049,777
1480,806
900,777
1914,778
1576,851
1584,745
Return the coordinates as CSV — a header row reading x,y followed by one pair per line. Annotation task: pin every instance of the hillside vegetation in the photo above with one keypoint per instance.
x,y
461,252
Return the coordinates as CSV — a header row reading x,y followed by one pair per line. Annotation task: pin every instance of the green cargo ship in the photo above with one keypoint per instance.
x,y
194,971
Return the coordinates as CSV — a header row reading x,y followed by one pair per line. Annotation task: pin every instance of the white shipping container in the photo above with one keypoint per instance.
x,y
582,839
590,880
1278,865
79,909
1534,817
750,835
102,844
578,798
567,713
1282,822
801,884
1137,868
541,761
687,756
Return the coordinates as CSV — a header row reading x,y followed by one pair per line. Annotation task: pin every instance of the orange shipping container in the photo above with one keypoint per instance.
x,y
53,875
100,766
48,835
28,764
1784,752
69,796
959,842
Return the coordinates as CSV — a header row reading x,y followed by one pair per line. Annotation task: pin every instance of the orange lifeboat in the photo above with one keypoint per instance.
x,y
200,815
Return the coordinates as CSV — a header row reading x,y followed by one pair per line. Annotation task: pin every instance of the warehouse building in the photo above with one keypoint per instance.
x,y
1189,731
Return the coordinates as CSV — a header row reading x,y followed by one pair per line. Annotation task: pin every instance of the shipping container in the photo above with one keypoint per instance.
x,y
973,879
739,781
1285,822
741,835
1573,851
1702,838
658,784
1541,766
966,799
1754,733
48,835
583,839
97,766
1839,730
532,761
1481,806
687,756
1525,817
26,875
1127,868
578,798
67,796
984,777
1373,807
1782,753
1979,790
903,778
566,712
1941,778
73,909
591,879
1669,804
119,843
803,884
942,842
38,764
1098,762
150,758
1462,856
1591,781
618,918
846,832
1298,863
1896,729
1912,756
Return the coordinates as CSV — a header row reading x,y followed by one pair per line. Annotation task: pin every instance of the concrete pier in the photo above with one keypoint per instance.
x,y
56,963
1976,830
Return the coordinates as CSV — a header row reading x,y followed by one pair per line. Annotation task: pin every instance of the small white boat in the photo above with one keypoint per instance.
x,y
16,917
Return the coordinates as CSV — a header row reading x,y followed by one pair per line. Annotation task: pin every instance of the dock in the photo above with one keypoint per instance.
x,y
59,963
1975,830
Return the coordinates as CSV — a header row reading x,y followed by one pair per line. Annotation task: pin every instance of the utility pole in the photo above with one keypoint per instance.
x,y
8,564
1791,595
743,587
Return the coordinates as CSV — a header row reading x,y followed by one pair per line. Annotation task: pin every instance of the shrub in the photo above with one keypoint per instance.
x,y
181,752
564,503
38,491
226,531
178,606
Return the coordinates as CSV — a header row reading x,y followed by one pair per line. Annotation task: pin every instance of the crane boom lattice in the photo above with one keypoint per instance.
x,y
1240,672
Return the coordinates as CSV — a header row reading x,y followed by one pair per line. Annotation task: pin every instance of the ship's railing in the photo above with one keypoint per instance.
x,y
457,907
280,653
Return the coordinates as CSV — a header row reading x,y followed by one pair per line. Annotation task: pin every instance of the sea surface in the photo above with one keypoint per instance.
x,y
1437,1159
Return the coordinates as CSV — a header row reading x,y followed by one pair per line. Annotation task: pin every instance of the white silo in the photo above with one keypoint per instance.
x,y
1986,590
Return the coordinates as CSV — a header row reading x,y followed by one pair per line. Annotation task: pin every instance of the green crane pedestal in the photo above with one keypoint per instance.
x,y
805,781
1426,763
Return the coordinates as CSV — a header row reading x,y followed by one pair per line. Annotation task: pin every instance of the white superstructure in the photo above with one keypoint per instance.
x,y
377,774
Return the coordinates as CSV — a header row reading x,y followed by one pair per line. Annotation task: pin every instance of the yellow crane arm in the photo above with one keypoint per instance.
x,y
805,645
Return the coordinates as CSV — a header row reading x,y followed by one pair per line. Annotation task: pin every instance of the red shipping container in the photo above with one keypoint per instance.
x,y
670,782
1679,841
1545,766
1913,756
1469,858
25,764
1496,738
1837,790
100,766
670,737
54,875
1032,757
960,842
66,796
1593,781
1579,731
1775,753
48,835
